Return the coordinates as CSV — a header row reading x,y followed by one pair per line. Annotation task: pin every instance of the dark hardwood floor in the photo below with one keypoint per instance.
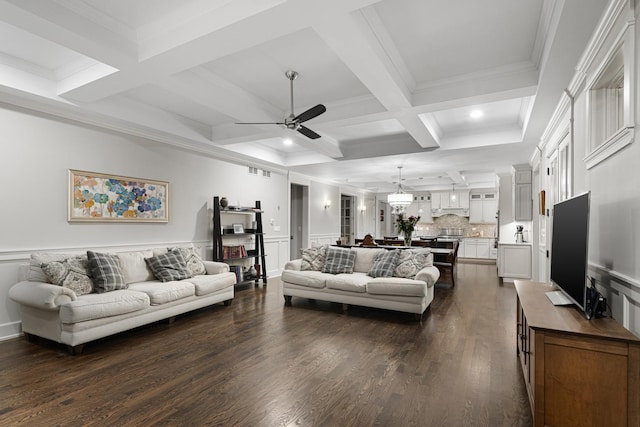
x,y
261,363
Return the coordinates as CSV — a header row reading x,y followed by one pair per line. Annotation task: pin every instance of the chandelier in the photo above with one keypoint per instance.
x,y
399,200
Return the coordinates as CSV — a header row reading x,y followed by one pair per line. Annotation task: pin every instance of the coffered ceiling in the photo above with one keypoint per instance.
x,y
399,78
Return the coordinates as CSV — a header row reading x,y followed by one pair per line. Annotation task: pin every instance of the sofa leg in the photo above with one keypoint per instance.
x,y
227,303
345,308
74,350
287,300
171,320
29,337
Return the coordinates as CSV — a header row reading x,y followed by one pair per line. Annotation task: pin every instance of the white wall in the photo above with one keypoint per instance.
x,y
35,155
614,234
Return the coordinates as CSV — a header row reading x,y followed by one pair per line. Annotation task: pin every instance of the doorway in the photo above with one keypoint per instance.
x,y
299,222
347,226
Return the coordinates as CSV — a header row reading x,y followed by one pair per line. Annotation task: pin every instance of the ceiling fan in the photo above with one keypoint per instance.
x,y
292,121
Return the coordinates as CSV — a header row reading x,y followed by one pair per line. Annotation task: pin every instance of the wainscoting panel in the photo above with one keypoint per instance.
x,y
277,251
323,239
622,294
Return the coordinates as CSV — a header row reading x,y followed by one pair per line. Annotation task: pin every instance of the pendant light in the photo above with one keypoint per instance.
x,y
399,200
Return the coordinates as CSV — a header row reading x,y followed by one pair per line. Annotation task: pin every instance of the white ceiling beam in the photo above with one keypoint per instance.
x,y
55,23
256,26
362,43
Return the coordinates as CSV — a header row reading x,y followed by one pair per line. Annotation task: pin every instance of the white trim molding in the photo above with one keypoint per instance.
x,y
622,293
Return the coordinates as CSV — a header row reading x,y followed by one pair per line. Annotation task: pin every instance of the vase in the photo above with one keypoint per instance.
x,y
407,239
224,202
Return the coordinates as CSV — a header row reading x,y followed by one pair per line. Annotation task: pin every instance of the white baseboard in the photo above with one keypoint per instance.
x,y
10,330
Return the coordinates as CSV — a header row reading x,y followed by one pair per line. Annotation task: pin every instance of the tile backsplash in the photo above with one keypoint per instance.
x,y
455,221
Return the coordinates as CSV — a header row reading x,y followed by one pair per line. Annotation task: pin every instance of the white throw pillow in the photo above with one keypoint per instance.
x,y
134,267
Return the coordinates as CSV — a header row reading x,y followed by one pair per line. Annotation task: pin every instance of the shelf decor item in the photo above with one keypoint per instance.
x,y
238,228
98,197
224,202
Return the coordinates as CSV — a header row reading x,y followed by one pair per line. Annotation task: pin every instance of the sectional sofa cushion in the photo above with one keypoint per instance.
x,y
210,283
356,282
192,260
396,286
411,261
134,266
364,258
339,260
70,273
162,293
313,259
96,306
105,272
384,264
311,279
168,267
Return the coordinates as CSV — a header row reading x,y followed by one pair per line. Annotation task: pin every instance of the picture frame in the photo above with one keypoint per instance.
x,y
238,228
100,197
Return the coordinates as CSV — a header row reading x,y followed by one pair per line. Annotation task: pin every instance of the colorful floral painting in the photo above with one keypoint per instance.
x,y
100,197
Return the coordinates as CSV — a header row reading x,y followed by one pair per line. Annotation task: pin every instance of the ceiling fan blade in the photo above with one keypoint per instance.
x,y
259,123
310,113
308,132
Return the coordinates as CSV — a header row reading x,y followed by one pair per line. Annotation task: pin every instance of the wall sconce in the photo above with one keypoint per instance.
x,y
327,204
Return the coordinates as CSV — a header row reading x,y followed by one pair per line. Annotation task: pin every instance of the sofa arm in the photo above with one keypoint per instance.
x,y
295,264
44,296
429,275
214,267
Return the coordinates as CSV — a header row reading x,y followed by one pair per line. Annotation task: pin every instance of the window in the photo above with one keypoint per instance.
x,y
609,106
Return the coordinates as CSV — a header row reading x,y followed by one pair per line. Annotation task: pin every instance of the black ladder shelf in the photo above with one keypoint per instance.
x,y
257,254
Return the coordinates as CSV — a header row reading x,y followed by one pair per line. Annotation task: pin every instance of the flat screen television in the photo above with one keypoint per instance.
x,y
570,248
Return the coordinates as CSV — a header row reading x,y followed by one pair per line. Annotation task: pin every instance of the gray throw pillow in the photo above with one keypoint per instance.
x,y
339,260
106,272
192,260
71,273
168,267
314,258
411,261
384,264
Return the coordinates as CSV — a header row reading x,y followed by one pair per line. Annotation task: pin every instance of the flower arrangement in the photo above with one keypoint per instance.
x,y
406,226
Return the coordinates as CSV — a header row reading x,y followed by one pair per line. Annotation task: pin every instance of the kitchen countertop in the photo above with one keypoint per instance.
x,y
514,243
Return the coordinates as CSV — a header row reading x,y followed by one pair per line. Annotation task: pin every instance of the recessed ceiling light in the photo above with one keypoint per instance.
x,y
476,114
287,141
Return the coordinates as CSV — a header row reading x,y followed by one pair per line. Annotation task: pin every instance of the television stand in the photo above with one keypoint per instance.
x,y
558,298
578,372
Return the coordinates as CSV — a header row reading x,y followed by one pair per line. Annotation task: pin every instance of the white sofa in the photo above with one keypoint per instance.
x,y
56,313
411,295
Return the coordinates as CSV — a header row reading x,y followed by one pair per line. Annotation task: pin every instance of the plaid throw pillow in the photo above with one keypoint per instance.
x,y
411,261
384,264
339,260
314,258
192,260
105,271
168,267
71,273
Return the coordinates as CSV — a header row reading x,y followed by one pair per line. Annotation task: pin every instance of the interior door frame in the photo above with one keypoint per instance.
x,y
298,218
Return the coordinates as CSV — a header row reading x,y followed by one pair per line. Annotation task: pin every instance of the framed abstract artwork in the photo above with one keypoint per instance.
x,y
97,197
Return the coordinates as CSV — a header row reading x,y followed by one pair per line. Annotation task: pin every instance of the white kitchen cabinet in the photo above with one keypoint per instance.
x,y
522,193
476,248
421,206
483,208
514,260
